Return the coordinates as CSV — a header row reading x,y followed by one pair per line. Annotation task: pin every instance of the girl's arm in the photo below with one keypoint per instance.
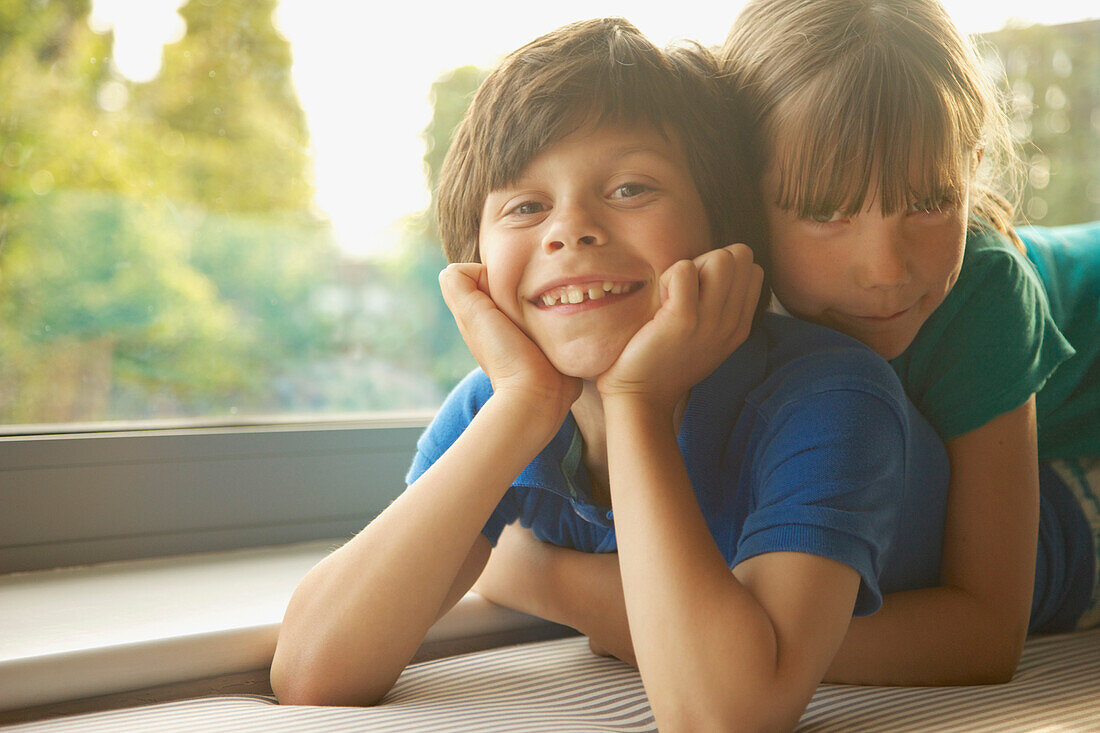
x,y
972,628
356,619
716,650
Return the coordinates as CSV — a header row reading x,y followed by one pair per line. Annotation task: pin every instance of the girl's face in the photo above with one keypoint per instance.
x,y
874,277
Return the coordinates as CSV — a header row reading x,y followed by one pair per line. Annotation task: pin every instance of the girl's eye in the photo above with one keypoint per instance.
x,y
527,208
932,206
629,190
825,217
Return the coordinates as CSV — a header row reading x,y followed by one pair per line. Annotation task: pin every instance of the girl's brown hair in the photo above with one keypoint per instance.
x,y
842,94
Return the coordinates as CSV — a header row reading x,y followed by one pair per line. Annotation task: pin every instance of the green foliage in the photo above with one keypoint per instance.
x,y
159,254
435,348
1051,75
450,96
224,103
134,266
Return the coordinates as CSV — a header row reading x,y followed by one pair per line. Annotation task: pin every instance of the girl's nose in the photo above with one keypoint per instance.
x,y
573,225
884,259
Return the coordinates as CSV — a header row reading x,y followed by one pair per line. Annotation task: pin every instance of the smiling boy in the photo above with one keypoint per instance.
x,y
747,486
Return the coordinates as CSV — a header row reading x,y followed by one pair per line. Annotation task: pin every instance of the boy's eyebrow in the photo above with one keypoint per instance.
x,y
614,153
625,150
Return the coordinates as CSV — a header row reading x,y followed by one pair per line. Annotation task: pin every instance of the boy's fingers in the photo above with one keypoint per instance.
x,y
754,282
718,272
459,285
680,287
724,275
756,289
456,278
482,278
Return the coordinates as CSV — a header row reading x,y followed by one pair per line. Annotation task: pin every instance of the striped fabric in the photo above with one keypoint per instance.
x,y
559,686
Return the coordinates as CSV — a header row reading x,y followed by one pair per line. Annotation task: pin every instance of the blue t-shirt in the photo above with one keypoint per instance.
x,y
803,440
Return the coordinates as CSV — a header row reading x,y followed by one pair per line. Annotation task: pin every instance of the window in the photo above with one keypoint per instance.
x,y
219,320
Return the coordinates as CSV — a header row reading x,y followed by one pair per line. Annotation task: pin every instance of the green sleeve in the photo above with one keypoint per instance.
x,y
1067,259
989,346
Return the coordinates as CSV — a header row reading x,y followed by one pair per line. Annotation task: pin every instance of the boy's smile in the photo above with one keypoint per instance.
x,y
575,248
584,292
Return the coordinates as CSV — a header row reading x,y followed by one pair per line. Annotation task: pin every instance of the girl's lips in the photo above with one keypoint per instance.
x,y
891,317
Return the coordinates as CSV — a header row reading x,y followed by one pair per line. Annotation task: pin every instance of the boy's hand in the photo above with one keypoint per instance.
x,y
514,363
707,307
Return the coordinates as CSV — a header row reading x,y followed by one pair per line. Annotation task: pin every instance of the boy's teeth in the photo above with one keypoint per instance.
x,y
573,294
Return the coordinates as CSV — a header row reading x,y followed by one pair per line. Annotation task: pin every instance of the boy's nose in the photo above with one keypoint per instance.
x,y
572,226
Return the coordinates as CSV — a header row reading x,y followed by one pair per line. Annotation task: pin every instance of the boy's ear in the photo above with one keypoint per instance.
x,y
977,158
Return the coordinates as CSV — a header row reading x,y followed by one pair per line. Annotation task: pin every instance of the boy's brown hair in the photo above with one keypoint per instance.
x,y
596,71
839,90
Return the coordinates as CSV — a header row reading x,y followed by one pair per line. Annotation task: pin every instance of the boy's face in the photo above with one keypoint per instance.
x,y
876,278
574,248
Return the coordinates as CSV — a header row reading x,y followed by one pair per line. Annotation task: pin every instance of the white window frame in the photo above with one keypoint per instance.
x,y
91,496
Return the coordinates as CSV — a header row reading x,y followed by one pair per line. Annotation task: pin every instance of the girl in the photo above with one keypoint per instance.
x,y
879,137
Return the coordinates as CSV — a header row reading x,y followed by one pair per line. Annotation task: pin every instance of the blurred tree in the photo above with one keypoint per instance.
x,y
1052,76
422,333
450,95
98,297
133,259
224,106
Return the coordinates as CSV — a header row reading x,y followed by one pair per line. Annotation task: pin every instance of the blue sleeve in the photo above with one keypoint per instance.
x,y
454,416
828,481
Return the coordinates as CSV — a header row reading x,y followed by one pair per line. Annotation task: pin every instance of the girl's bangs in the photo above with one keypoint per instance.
x,y
866,133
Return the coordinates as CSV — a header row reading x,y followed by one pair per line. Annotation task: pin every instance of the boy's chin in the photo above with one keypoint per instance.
x,y
586,366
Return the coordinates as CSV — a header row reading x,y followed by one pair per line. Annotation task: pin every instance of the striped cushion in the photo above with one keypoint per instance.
x,y
559,686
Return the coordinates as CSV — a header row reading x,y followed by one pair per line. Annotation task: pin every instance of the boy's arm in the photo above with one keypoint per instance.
x,y
578,589
356,619
969,630
972,628
716,650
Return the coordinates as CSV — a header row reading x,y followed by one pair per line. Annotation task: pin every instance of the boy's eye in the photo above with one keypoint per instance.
x,y
629,190
527,208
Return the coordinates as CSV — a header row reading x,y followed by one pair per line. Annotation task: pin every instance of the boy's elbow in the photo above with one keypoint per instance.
x,y
1001,664
758,717
767,708
304,684
995,661
292,687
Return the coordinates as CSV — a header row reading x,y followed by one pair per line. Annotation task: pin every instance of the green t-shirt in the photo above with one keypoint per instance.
x,y
995,340
1068,262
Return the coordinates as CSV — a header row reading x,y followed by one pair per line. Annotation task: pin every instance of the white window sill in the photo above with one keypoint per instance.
x,y
80,632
